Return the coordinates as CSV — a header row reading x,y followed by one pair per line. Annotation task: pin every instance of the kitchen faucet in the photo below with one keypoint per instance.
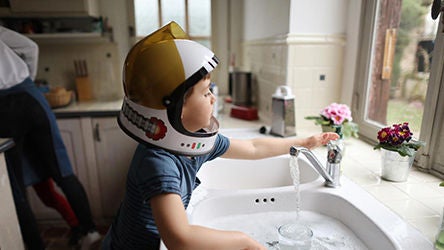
x,y
331,173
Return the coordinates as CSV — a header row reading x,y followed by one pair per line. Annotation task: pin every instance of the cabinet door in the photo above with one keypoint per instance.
x,y
56,7
10,237
71,132
114,151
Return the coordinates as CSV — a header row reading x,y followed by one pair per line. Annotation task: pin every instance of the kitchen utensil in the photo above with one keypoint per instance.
x,y
83,84
282,106
80,68
242,88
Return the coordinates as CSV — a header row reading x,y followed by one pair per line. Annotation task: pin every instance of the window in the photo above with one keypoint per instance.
x,y
194,16
400,71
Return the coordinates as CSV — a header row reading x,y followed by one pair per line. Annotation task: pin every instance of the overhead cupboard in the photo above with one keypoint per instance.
x,y
58,8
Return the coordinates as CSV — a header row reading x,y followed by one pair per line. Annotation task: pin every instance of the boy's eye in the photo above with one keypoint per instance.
x,y
208,94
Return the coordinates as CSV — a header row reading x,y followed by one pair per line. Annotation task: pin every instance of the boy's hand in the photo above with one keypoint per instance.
x,y
320,139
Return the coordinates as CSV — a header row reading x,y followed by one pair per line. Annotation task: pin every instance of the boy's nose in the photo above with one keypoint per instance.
x,y
213,98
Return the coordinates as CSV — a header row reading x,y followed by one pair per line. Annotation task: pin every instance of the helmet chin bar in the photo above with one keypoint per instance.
x,y
152,126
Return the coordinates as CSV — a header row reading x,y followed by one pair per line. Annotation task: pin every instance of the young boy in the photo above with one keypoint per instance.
x,y
168,109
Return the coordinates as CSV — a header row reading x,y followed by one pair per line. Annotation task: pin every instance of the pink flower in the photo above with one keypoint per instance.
x,y
337,113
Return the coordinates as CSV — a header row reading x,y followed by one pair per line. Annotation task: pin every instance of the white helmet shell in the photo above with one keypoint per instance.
x,y
158,71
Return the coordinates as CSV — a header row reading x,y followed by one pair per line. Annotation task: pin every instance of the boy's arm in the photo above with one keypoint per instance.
x,y
259,148
172,223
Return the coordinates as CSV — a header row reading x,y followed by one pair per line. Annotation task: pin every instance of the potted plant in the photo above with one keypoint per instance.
x,y
336,115
398,151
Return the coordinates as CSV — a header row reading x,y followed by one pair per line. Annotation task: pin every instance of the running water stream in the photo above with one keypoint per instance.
x,y
295,176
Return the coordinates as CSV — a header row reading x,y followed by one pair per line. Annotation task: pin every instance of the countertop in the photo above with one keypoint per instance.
x,y
90,108
5,144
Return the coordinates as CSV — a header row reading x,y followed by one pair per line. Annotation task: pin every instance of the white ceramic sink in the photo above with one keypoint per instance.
x,y
238,187
229,174
373,223
235,187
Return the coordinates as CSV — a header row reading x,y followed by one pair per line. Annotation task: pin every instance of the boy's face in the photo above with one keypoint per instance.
x,y
198,106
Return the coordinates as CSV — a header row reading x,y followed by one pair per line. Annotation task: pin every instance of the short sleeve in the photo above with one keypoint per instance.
x,y
157,173
221,146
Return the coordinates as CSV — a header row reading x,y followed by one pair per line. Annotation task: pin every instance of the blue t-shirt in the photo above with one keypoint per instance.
x,y
154,171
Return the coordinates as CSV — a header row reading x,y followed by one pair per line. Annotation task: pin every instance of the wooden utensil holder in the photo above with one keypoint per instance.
x,y
84,89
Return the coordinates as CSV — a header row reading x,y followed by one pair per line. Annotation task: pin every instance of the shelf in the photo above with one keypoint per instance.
x,y
78,37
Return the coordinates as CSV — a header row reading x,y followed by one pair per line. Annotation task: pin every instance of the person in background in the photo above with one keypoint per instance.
x,y
167,108
47,193
39,151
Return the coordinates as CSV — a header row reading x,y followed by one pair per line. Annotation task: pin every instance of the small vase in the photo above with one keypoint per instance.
x,y
328,128
394,166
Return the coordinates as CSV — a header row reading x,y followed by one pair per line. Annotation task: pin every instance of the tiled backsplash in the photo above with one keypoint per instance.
x,y
56,66
311,65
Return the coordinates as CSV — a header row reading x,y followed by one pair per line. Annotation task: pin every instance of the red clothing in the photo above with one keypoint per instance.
x,y
51,198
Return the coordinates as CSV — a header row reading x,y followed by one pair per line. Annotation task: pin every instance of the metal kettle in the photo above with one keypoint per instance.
x,y
283,113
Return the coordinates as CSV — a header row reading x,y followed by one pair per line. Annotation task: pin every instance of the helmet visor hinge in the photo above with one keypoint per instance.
x,y
167,101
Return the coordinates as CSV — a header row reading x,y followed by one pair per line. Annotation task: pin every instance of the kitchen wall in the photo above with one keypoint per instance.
x,y
305,50
104,57
56,66
293,42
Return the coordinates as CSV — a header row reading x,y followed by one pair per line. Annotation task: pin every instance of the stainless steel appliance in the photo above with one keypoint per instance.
x,y
243,95
241,88
283,114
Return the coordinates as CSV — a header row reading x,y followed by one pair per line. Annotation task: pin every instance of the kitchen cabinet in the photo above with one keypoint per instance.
x,y
10,236
114,151
100,154
71,132
56,8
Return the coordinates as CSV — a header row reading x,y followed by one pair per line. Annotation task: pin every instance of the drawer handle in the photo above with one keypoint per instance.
x,y
97,133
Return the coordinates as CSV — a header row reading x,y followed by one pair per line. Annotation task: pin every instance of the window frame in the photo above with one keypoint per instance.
x,y
133,25
432,118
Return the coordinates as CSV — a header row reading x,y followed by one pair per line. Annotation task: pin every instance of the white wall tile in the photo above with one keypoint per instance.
x,y
56,65
299,65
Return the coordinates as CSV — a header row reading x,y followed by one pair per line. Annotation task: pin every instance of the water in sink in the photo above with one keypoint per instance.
x,y
328,233
241,187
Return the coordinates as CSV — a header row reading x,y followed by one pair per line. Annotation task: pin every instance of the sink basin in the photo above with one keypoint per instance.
x,y
229,174
375,225
242,187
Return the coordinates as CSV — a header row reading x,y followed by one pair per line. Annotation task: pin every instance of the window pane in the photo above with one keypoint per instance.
x,y
200,17
400,68
173,10
204,42
147,16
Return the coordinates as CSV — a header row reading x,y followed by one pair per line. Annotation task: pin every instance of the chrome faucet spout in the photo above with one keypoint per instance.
x,y
329,180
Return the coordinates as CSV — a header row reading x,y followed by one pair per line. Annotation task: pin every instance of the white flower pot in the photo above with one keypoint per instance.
x,y
394,166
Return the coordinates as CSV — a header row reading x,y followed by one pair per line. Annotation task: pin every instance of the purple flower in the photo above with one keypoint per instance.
x,y
395,135
396,138
383,134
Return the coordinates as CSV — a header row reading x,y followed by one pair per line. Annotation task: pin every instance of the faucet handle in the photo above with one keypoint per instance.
x,y
334,152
